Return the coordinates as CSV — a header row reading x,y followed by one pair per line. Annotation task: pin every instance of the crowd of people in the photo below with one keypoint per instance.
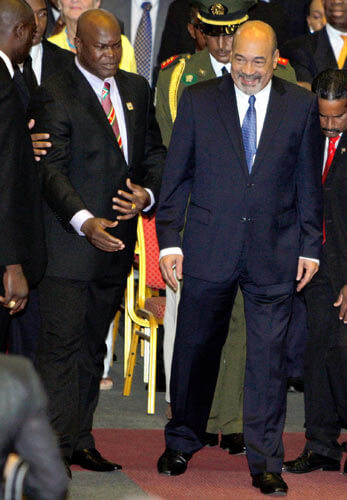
x,y
226,121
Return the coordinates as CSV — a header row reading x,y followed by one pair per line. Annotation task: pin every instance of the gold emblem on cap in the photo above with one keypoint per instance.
x,y
217,9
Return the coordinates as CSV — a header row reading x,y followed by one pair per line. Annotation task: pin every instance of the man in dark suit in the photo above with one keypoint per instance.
x,y
326,295
91,171
254,220
132,13
44,60
22,253
325,49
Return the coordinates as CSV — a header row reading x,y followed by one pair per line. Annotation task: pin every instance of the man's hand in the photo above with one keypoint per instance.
x,y
168,264
95,231
16,289
39,142
134,202
306,270
342,303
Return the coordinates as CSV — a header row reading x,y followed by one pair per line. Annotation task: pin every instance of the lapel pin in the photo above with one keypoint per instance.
x,y
130,106
343,150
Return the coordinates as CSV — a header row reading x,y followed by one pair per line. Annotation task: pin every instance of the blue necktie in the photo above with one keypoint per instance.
x,y
249,133
143,42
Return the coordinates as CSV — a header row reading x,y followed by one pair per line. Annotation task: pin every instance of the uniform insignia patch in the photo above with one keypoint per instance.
x,y
218,9
130,106
167,63
282,61
189,79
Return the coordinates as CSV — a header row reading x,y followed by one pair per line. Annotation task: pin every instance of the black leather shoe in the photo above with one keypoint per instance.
x,y
66,461
90,458
173,462
210,439
309,461
270,483
345,468
295,384
234,443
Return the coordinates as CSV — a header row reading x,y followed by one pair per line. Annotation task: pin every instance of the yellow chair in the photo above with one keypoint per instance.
x,y
145,309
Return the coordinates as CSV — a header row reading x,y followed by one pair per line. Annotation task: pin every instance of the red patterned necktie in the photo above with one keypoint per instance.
x,y
330,157
111,113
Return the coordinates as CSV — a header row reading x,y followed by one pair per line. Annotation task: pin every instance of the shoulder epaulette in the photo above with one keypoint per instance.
x,y
282,61
169,61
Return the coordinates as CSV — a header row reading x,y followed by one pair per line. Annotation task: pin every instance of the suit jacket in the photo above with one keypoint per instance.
x,y
310,55
54,59
276,210
22,236
25,430
335,210
122,10
85,167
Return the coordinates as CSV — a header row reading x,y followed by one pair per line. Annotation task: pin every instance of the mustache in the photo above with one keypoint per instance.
x,y
331,130
254,77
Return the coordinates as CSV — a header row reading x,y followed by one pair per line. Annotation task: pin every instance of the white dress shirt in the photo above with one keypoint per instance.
x,y
335,39
135,17
8,63
36,53
218,66
326,146
97,85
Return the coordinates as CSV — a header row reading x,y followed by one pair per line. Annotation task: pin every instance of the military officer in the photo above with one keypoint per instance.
x,y
211,60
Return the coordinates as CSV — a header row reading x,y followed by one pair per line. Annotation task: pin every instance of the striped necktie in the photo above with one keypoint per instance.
x,y
343,53
111,113
329,160
249,133
143,42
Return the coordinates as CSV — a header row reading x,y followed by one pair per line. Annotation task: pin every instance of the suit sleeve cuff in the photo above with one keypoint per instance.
x,y
170,251
152,201
309,258
79,219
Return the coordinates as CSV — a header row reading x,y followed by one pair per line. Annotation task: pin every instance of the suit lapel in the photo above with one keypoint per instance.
x,y
48,65
228,112
324,50
275,113
339,159
127,99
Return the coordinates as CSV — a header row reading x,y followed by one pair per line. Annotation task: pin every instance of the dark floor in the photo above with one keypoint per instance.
x,y
117,411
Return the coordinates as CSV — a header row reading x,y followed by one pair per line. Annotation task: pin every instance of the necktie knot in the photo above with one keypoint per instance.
x,y
332,142
146,6
251,100
224,70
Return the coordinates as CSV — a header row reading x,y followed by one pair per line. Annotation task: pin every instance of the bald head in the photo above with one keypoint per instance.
x,y
254,56
17,27
98,42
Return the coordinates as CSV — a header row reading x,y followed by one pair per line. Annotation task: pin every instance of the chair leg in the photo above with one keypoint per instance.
x,y
127,338
152,371
131,365
114,333
146,358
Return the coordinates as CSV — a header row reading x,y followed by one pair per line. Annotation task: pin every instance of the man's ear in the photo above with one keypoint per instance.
x,y
18,31
275,58
78,44
191,30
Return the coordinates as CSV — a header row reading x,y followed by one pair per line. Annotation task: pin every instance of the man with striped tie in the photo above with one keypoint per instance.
x,y
103,169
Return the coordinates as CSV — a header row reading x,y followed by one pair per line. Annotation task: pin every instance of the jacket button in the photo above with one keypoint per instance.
x,y
243,219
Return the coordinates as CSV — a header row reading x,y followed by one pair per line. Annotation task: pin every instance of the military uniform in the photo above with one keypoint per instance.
x,y
175,75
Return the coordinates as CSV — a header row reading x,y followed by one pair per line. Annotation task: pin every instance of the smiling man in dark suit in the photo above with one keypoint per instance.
x,y
254,220
326,295
325,49
106,146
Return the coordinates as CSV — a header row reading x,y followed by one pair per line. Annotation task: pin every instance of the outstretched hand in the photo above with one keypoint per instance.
x,y
133,202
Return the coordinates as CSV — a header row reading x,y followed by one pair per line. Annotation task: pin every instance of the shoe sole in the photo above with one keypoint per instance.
x,y
233,453
274,494
327,468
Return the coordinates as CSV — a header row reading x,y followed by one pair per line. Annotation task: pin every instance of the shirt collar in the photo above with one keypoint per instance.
x,y
262,95
140,2
333,32
8,63
94,81
36,51
217,66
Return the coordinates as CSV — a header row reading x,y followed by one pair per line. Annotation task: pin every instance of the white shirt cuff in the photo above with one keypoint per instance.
x,y
170,251
309,258
79,219
152,201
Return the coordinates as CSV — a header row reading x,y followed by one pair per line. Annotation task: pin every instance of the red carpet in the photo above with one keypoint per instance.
x,y
212,473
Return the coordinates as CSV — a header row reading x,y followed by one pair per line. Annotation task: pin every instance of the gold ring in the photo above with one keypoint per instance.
x,y
133,206
11,304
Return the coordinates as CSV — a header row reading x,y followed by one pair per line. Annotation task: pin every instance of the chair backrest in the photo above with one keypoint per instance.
x,y
148,243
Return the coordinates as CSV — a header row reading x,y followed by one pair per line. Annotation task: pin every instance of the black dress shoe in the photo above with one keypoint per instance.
x,y
270,483
295,384
173,462
90,458
209,439
66,461
234,443
309,461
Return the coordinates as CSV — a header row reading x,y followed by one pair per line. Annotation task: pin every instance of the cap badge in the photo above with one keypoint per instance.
x,y
218,9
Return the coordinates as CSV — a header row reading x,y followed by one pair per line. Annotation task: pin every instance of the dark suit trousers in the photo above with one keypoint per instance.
x,y
203,319
5,319
325,368
75,319
297,337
